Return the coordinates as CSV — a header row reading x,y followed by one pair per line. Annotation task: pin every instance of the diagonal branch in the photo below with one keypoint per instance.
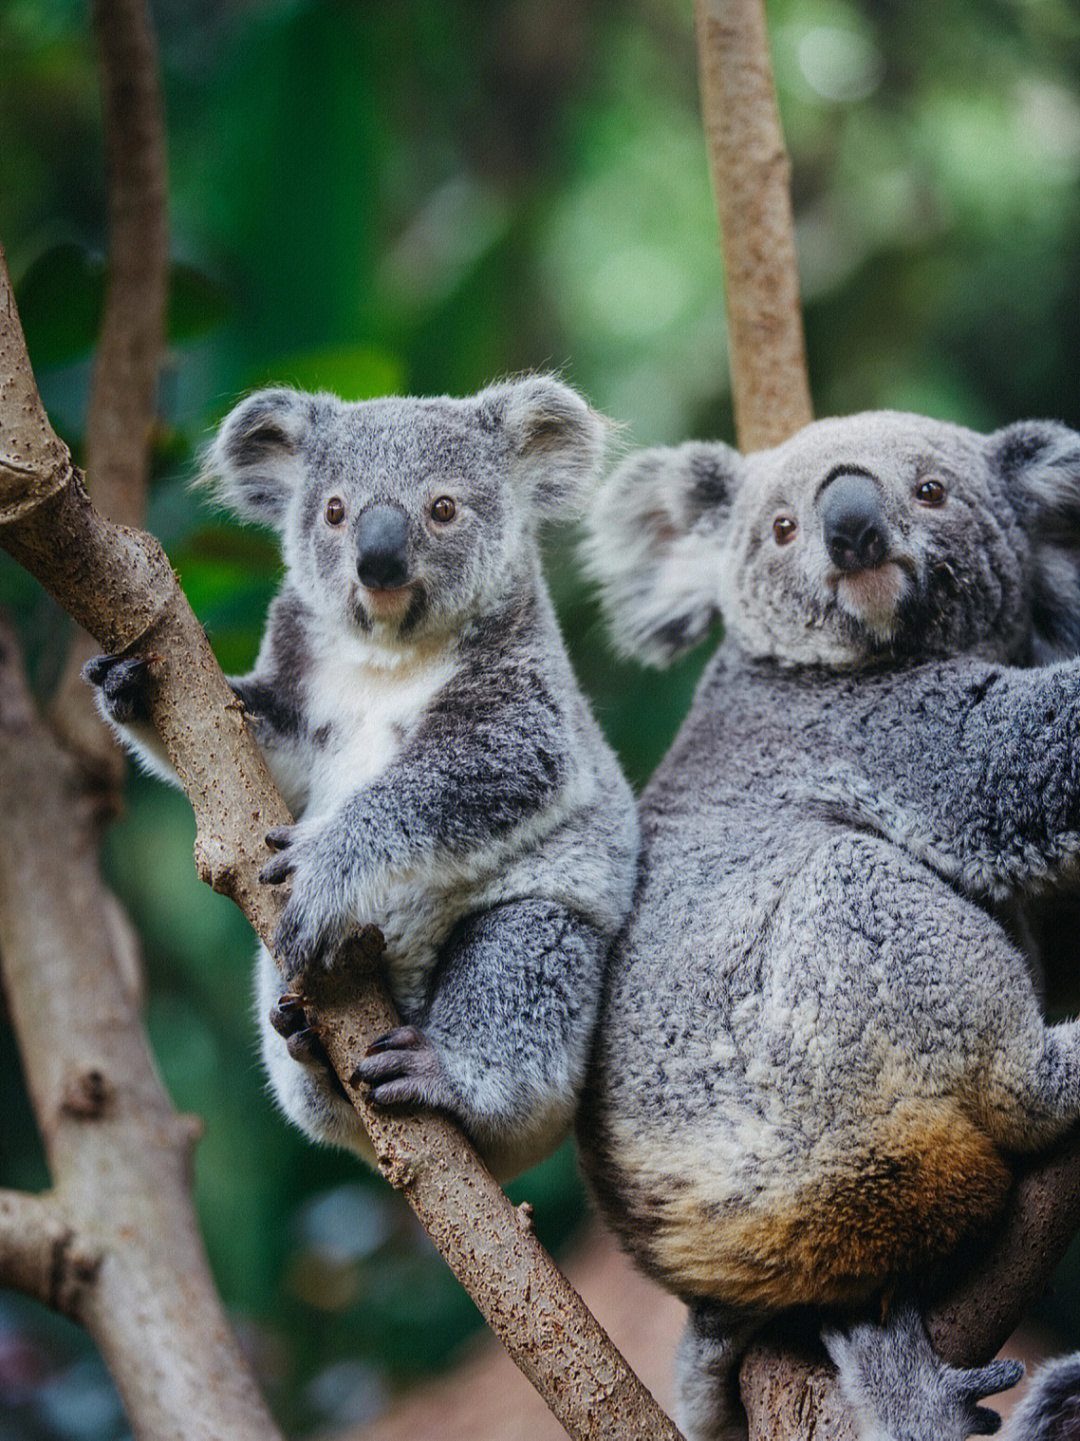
x,y
119,585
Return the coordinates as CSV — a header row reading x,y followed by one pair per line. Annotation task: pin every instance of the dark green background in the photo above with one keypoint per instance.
x,y
424,197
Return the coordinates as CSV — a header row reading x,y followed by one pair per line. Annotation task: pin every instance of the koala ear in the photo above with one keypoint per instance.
x,y
557,441
253,464
1039,462
653,541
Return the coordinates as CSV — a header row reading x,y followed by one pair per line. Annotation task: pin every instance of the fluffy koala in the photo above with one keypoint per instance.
x,y
820,1049
416,706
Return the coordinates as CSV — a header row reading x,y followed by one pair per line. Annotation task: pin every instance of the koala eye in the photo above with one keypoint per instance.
x,y
335,510
783,529
443,509
930,493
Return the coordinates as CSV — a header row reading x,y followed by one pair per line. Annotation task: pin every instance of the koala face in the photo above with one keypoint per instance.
x,y
878,536
406,517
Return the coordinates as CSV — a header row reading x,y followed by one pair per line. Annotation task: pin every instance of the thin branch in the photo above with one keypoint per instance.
x,y
119,585
123,393
751,175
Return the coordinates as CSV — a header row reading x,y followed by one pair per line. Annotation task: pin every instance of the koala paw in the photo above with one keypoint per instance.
x,y
122,684
312,924
896,1382
403,1068
289,1018
968,1388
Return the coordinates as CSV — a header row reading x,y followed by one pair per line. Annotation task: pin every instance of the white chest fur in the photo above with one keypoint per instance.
x,y
362,703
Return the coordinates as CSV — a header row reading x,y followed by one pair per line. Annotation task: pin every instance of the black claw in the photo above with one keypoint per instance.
x,y
985,1422
287,1014
96,668
304,1045
404,1037
279,837
122,682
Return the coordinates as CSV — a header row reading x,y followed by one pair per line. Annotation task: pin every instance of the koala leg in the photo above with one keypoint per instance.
x,y
901,1390
303,1083
1051,1409
707,1373
502,1041
1033,1090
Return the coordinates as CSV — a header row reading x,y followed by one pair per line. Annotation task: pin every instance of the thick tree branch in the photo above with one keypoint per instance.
x,y
751,172
119,585
115,1245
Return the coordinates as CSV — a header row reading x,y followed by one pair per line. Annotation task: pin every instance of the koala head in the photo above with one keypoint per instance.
x,y
402,517
875,537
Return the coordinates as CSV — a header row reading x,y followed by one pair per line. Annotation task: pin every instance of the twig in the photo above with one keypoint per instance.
x,y
119,585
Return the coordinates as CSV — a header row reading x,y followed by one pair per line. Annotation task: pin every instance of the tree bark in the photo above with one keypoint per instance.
x,y
751,179
115,1244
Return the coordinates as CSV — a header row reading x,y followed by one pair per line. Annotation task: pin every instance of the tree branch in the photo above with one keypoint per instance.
x,y
123,393
38,1254
751,173
119,585
116,1245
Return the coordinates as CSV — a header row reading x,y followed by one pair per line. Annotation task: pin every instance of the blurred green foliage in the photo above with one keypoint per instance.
x,y
421,196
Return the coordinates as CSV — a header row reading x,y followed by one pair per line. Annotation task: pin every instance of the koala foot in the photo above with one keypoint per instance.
x,y
122,684
895,1381
403,1068
289,1018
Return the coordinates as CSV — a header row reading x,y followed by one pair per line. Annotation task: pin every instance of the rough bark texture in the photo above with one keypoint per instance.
x,y
118,584
751,175
115,1244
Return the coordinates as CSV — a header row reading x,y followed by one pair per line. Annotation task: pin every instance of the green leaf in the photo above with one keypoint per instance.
x,y
60,301
62,296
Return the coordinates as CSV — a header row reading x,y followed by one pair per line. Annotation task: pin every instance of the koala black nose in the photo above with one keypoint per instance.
x,y
382,547
856,532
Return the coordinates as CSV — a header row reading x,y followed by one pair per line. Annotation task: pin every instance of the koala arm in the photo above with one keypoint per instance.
x,y
475,774
974,768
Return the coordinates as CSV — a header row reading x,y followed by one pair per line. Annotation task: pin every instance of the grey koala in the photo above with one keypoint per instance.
x,y
820,1049
416,706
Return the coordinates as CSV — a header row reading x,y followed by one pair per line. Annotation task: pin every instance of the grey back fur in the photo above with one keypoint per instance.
x,y
818,1050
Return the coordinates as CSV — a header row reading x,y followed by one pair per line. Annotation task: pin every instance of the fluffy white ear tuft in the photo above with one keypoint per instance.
x,y
253,465
1039,464
557,440
654,537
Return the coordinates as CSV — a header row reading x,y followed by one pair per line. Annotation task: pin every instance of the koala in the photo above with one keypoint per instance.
x,y
416,707
820,1050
